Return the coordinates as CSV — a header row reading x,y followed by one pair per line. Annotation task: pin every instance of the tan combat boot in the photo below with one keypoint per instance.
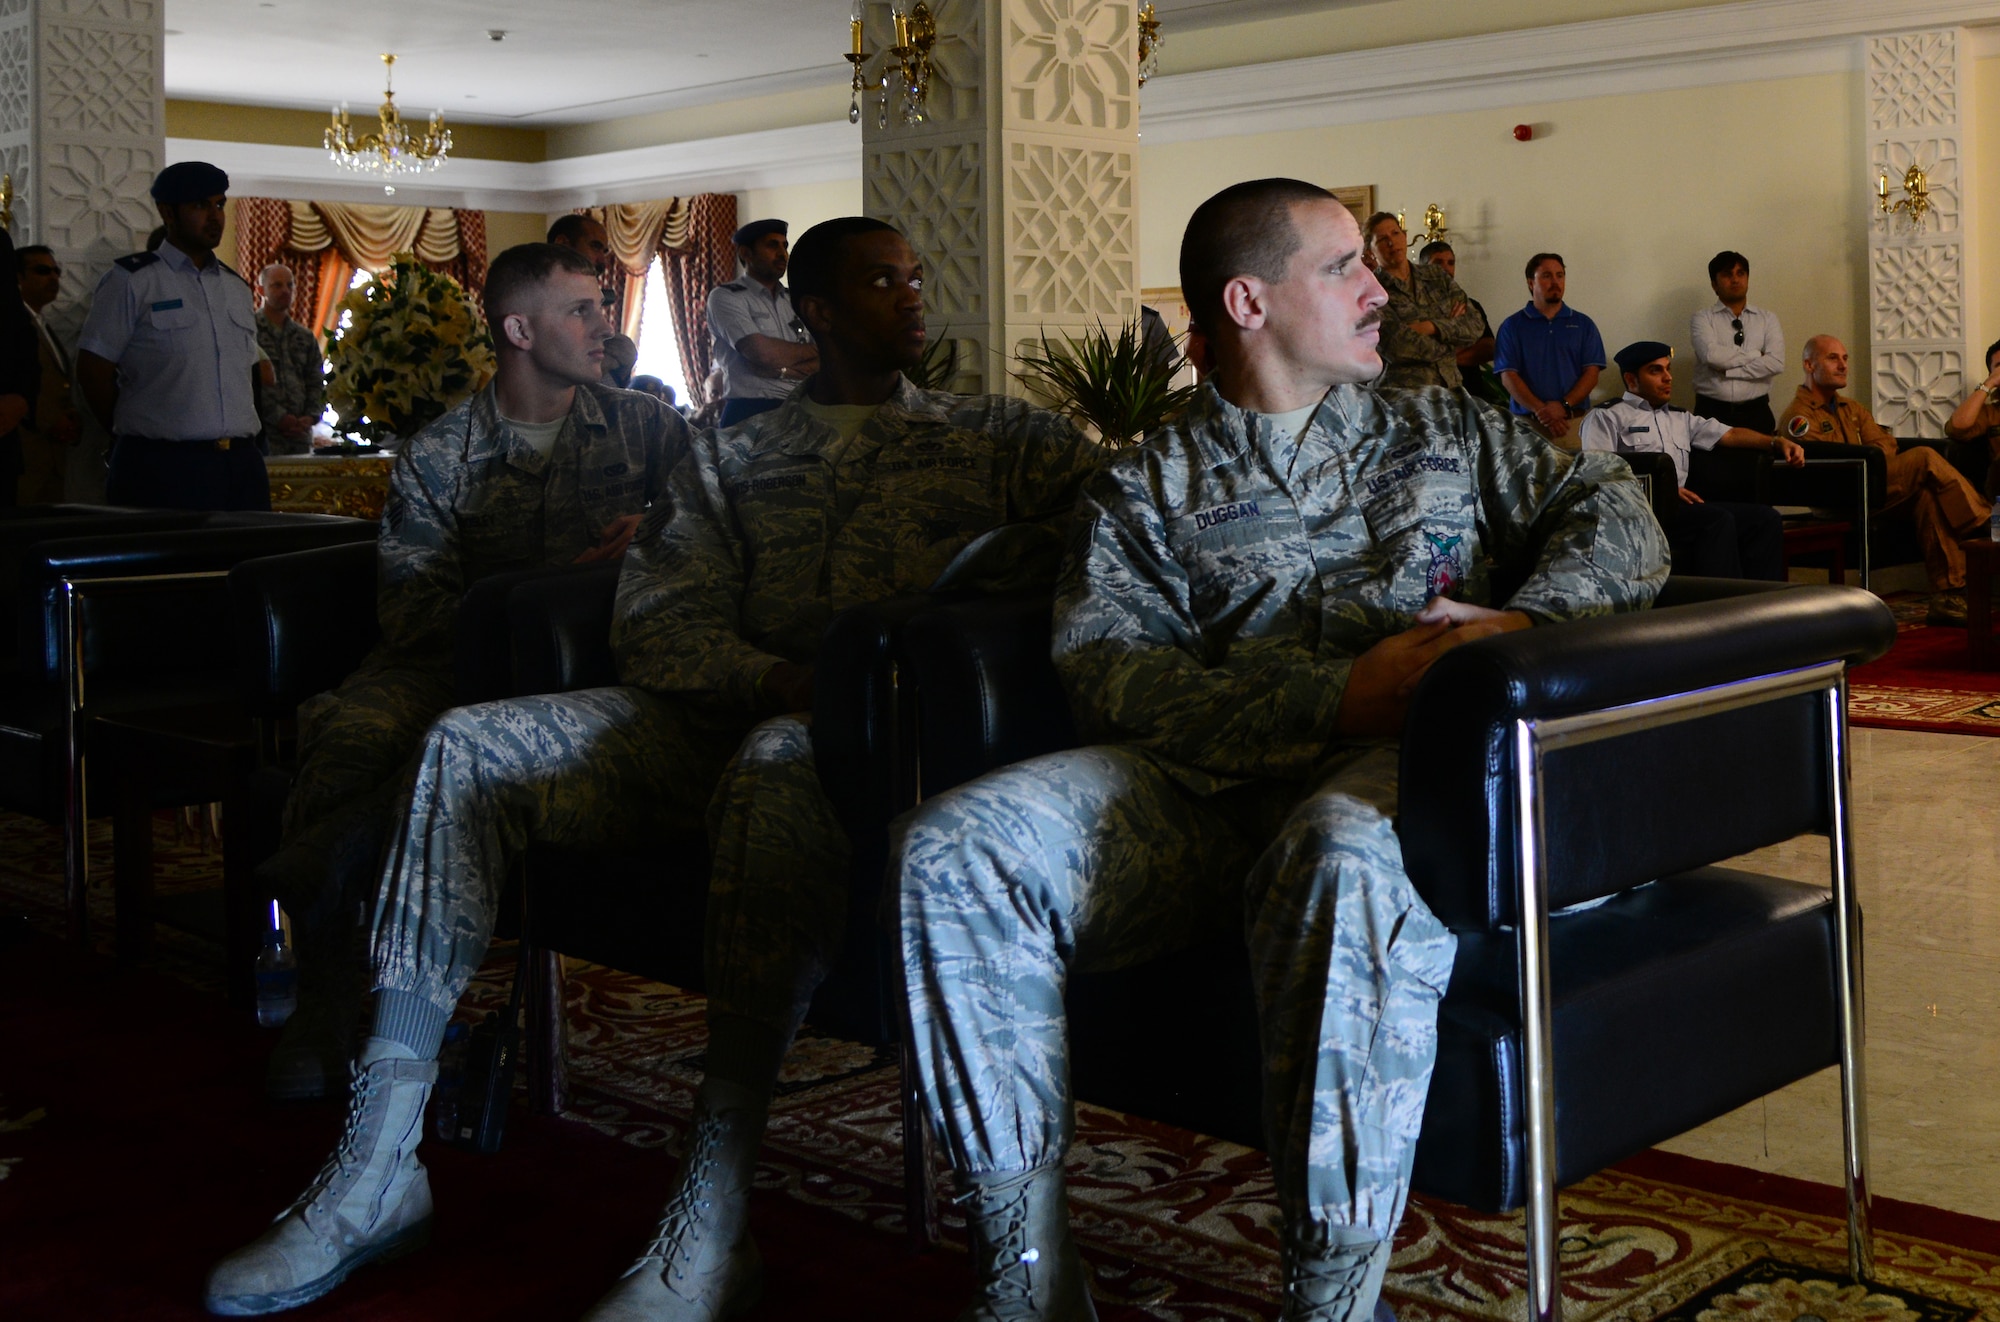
x,y
701,1265
371,1201
1022,1253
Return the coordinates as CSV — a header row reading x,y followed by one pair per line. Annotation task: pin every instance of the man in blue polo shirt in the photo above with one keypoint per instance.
x,y
1547,355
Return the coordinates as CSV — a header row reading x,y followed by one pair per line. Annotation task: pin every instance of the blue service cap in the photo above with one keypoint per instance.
x,y
189,181
757,229
1640,352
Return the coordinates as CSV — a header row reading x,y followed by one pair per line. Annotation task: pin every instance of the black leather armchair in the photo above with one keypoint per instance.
x,y
1542,769
118,622
645,913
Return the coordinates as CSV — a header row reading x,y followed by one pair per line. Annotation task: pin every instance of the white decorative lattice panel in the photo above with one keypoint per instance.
x,y
97,195
935,194
1919,275
16,80
1917,292
1904,90
1071,63
1070,232
1923,386
97,81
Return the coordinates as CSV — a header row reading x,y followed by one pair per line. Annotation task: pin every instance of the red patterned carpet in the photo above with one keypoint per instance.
x,y
134,1148
1927,682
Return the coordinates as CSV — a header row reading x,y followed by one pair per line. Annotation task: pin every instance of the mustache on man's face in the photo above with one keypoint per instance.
x,y
1370,319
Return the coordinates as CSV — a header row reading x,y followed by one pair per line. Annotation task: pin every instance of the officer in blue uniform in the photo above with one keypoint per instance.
x,y
1719,538
760,343
166,360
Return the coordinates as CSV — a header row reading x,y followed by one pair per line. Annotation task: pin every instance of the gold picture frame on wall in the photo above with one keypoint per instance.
x,y
1357,198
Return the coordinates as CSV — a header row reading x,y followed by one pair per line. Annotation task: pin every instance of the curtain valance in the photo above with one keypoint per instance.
x,y
369,234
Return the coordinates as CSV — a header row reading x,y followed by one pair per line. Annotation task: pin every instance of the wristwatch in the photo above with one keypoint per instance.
x,y
1575,410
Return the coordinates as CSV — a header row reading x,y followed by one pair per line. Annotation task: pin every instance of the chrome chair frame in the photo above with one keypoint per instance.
x,y
1532,739
69,658
1860,467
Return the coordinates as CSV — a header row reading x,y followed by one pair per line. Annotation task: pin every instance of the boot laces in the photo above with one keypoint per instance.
x,y
1321,1287
1006,1262
346,1158
678,1234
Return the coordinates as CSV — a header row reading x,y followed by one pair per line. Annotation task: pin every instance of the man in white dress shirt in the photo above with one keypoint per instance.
x,y
1721,539
1738,350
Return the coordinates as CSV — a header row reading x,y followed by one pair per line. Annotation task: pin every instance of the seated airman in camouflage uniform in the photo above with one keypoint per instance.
x,y
858,488
1252,596
478,492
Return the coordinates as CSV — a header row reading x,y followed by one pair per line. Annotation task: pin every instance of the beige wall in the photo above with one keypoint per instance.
x,y
504,229
803,205
1633,191
813,105
307,128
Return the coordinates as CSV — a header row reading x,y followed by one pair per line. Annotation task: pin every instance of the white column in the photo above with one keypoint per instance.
x,y
82,119
1920,279
1019,190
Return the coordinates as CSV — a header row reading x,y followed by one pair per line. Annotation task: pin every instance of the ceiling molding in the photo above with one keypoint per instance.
x,y
812,153
1749,42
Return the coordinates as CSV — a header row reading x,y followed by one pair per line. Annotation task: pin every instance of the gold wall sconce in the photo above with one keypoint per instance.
x,y
909,59
1150,42
1916,197
7,203
1434,230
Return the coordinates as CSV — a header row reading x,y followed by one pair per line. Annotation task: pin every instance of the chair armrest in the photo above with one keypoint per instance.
x,y
1828,481
859,730
301,623
1682,796
987,691
1727,473
558,626
1686,589
129,631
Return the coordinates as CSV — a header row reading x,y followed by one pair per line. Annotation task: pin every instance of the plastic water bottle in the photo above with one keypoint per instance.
x,y
451,1073
277,975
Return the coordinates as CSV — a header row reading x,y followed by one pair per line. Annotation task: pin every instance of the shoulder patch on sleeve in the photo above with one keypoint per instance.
x,y
138,261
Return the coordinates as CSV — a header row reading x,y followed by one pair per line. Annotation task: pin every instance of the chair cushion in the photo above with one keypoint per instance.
x,y
1672,1004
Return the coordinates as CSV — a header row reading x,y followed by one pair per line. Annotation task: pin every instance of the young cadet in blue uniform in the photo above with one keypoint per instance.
x,y
1251,598
1720,538
166,357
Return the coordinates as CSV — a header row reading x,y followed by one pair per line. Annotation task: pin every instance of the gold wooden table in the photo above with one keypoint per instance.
x,y
353,485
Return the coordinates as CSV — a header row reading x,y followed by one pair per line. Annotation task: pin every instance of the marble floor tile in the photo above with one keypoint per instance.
x,y
1927,860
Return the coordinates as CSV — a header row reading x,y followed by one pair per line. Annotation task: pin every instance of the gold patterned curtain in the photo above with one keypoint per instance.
x,y
326,242
692,236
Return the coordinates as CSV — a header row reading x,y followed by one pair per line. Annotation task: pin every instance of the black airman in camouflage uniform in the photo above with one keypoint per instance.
x,y
766,531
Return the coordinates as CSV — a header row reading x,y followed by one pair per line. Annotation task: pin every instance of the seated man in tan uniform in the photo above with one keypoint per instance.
x,y
1922,484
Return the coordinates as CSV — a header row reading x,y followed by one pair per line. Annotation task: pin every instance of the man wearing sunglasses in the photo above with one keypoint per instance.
x,y
1738,350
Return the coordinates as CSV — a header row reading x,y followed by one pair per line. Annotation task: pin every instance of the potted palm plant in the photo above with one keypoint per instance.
x,y
1115,384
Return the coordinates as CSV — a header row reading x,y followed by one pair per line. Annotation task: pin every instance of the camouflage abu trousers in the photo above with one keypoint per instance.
x,y
1098,858
354,745
604,768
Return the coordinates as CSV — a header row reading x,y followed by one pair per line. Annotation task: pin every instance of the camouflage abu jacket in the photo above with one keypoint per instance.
x,y
469,498
1225,577
776,525
1410,360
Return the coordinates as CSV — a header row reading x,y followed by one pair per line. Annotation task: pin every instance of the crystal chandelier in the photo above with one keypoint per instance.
x,y
393,151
